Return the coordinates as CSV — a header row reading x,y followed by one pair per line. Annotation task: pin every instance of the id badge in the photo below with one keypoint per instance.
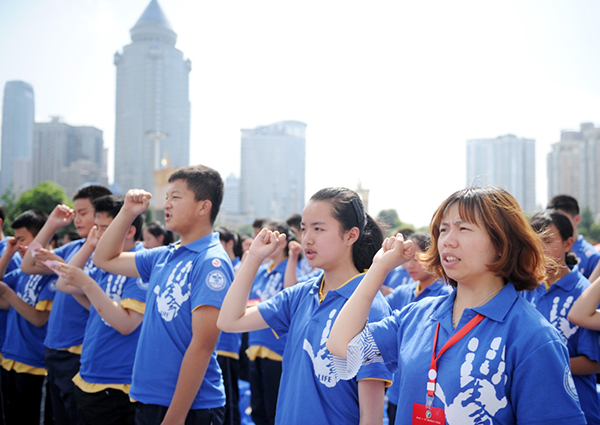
x,y
423,415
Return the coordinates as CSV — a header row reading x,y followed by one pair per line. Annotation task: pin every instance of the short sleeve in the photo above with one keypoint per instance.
x,y
278,310
145,259
210,281
386,336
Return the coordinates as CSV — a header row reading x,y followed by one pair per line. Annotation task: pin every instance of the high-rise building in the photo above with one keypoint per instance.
x,y
506,161
572,166
272,170
152,103
17,136
67,155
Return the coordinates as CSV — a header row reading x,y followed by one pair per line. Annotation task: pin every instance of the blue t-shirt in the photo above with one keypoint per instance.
x,y
555,305
310,391
587,256
267,284
397,277
402,296
26,341
15,263
107,355
66,324
511,368
181,279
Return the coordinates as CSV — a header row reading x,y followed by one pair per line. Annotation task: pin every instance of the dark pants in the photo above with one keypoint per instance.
x,y
62,367
152,414
107,407
265,375
22,397
230,370
392,408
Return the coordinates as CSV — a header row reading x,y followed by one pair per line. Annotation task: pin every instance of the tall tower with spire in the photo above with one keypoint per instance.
x,y
152,124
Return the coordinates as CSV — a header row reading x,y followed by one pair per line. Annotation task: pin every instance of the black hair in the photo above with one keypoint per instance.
x,y
111,205
349,211
33,220
542,221
282,227
206,184
226,235
294,221
421,239
564,203
72,235
157,230
91,192
260,222
2,213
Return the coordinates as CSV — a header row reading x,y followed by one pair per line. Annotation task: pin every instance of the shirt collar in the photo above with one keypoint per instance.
x,y
568,282
346,290
496,309
199,245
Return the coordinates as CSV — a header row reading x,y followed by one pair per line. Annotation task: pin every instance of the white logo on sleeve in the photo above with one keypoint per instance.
x,y
215,280
570,384
477,402
177,291
322,362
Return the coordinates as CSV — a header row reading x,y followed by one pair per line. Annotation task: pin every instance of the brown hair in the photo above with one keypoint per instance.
x,y
521,261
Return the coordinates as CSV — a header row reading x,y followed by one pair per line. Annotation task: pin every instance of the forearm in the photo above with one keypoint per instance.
x,y
236,300
353,316
43,237
35,317
371,396
582,365
290,278
584,312
110,245
121,319
191,374
4,262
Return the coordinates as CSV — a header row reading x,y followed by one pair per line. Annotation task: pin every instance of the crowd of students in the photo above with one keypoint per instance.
x,y
488,318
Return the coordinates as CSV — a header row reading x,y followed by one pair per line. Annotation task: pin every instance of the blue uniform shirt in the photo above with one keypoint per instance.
x,y
181,280
267,284
555,305
402,296
26,341
511,368
587,256
310,391
107,355
66,324
397,277
15,263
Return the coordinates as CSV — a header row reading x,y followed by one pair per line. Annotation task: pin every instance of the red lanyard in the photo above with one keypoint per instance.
x,y
455,338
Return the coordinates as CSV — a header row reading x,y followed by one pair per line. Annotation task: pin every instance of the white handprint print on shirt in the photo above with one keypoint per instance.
x,y
177,291
114,289
478,401
32,290
559,318
322,362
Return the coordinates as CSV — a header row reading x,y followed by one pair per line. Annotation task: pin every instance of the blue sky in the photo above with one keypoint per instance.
x,y
390,90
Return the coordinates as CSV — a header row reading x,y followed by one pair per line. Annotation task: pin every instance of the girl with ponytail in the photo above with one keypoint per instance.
x,y
339,238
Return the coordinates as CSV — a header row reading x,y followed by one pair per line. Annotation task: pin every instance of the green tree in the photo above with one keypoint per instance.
x,y
389,219
45,196
8,201
587,221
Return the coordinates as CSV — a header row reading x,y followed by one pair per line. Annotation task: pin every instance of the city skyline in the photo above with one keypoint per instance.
x,y
390,92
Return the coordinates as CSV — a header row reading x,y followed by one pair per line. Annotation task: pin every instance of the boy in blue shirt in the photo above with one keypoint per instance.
x,y
68,318
29,298
176,377
116,304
